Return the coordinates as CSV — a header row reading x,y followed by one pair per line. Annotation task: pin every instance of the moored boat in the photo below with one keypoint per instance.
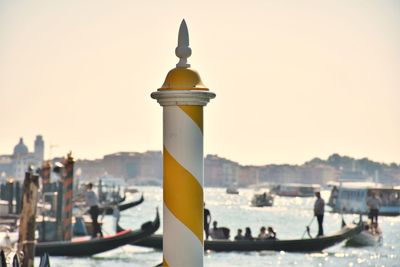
x,y
82,247
290,245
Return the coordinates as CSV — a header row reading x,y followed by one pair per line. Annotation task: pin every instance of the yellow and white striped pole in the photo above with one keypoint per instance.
x,y
183,96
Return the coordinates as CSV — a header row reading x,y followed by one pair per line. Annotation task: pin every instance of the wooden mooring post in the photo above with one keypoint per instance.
x,y
17,198
59,210
10,196
45,174
26,241
68,196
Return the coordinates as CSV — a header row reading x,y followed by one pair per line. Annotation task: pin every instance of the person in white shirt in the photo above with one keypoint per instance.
x,y
374,203
319,209
263,234
92,202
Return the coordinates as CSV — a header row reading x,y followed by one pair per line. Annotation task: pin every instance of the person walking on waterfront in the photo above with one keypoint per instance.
x,y
374,203
92,202
319,209
207,221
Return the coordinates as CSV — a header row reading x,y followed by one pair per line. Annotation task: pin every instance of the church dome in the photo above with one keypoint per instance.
x,y
20,148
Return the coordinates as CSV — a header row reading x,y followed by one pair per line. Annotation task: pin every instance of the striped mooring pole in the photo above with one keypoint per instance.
x,y
182,97
68,184
45,174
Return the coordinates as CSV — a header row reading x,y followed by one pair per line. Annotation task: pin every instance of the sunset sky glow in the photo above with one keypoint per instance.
x,y
294,79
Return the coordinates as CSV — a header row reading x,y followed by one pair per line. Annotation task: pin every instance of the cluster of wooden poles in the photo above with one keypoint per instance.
x,y
26,206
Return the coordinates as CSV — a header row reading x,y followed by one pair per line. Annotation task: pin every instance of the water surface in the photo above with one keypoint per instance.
x,y
288,216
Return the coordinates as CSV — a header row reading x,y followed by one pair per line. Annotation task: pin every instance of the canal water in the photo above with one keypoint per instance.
x,y
289,217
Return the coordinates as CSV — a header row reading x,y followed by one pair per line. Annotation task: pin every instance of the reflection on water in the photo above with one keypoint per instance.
x,y
289,217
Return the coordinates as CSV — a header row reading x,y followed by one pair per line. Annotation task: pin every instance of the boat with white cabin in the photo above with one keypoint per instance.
x,y
295,190
351,197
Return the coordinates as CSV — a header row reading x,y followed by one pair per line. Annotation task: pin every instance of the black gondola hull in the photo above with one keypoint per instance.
x,y
121,207
295,245
97,245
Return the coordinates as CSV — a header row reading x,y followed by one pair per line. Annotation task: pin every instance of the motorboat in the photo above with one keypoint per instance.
x,y
233,190
295,190
131,189
265,199
371,235
351,197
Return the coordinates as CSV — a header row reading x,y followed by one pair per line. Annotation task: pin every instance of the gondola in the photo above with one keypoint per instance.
x,y
97,245
293,245
109,210
120,200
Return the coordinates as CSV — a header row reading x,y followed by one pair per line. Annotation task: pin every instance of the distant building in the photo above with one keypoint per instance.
x,y
249,175
133,166
220,171
15,165
146,169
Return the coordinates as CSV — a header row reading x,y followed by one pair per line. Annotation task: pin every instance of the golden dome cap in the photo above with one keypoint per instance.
x,y
183,79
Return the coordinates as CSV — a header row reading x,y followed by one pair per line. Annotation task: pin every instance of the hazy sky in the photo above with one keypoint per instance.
x,y
294,79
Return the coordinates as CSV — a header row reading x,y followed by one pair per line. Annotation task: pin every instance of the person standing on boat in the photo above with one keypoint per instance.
x,y
333,198
374,203
92,201
207,221
319,209
116,215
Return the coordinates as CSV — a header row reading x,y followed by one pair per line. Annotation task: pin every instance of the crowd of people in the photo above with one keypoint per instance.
x,y
224,233
373,202
265,233
216,232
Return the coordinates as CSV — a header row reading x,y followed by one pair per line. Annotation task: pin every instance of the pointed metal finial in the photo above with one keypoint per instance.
x,y
183,50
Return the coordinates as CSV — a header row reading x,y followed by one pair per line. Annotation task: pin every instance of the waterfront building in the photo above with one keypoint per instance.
x,y
131,166
220,171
